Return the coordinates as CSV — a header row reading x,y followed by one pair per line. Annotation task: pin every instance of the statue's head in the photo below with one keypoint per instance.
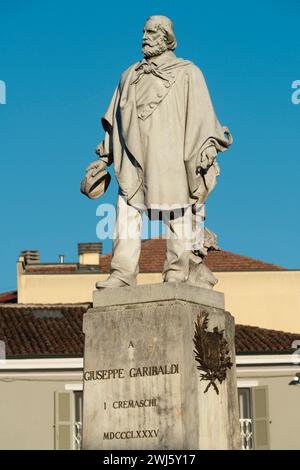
x,y
158,36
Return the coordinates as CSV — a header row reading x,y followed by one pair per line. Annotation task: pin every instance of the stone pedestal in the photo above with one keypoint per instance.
x,y
142,387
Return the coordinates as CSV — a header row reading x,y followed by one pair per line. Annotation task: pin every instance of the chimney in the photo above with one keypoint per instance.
x,y
89,253
30,256
61,259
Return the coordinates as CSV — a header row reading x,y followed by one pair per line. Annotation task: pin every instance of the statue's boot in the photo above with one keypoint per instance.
x,y
200,275
111,282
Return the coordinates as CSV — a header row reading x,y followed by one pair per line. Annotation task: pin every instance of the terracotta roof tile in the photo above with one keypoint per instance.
x,y
153,255
258,340
48,330
105,263
64,268
152,261
51,268
221,260
30,330
9,297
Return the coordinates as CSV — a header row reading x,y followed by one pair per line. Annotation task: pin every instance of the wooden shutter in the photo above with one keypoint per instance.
x,y
261,431
64,420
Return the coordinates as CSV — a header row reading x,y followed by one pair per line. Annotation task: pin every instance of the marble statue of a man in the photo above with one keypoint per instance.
x,y
162,135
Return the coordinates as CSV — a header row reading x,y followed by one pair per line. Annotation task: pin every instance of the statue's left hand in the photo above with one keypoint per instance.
x,y
208,157
96,167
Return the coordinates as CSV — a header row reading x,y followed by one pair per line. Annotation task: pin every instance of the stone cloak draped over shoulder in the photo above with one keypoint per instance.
x,y
195,127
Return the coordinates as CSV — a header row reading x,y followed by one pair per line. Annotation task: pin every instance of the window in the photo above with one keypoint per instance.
x,y
254,418
68,419
246,422
78,402
64,419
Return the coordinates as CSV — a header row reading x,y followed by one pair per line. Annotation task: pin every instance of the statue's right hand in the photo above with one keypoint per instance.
x,y
96,167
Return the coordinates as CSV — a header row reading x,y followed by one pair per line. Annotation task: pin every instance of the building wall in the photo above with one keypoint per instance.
x,y
27,406
65,288
284,406
284,403
266,299
27,411
57,288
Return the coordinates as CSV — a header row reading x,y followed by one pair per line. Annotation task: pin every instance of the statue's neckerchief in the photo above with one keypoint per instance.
x,y
146,67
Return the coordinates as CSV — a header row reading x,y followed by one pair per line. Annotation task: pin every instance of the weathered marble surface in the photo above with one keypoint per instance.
x,y
156,292
152,330
163,138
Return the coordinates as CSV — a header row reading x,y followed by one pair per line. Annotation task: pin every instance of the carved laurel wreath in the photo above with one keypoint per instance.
x,y
211,352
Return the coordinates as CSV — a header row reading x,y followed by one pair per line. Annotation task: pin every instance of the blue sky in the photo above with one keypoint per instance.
x,y
61,61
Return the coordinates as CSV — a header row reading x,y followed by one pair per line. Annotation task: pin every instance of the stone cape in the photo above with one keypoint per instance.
x,y
187,95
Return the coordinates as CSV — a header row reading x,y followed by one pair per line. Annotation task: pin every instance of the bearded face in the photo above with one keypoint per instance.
x,y
154,41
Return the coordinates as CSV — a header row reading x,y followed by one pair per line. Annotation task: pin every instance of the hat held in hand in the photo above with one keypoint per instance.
x,y
95,182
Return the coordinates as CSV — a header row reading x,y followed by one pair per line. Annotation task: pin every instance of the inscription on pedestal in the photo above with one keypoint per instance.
x,y
130,403
132,373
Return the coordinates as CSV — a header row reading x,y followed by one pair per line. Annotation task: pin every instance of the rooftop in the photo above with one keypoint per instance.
x,y
152,260
56,330
9,297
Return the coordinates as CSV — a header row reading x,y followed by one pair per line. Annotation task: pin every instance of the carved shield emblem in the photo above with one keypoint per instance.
x,y
211,352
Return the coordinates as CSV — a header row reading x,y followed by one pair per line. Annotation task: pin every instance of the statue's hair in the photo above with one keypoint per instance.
x,y
166,26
